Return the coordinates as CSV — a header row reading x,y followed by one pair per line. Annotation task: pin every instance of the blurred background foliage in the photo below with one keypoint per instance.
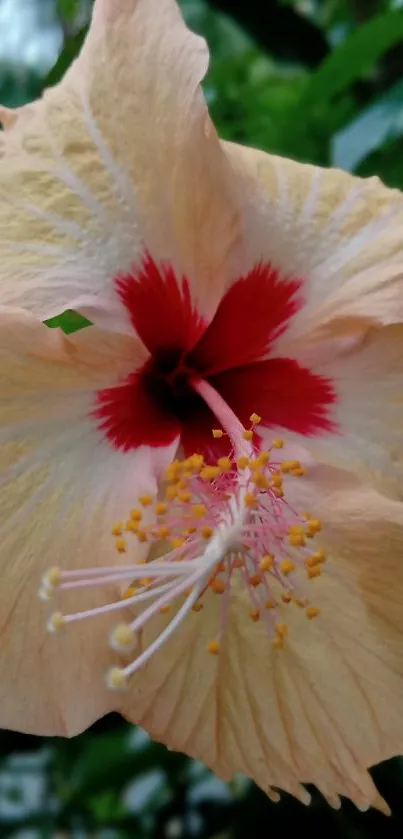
x,y
317,80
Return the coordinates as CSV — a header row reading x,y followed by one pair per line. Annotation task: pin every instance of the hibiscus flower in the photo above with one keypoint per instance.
x,y
235,405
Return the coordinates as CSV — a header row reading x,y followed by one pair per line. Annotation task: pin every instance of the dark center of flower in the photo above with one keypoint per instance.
x,y
234,353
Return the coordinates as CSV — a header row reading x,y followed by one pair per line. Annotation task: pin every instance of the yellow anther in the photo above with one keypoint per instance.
x,y
247,434
297,540
299,472
136,515
218,586
217,433
146,500
121,545
122,637
250,499
199,510
213,647
319,556
238,562
313,527
117,529
56,622
145,581
260,480
278,492
286,597
116,678
289,465
190,530
313,572
255,580
197,607
164,610
209,473
254,614
173,470
287,566
131,526
263,458
242,462
163,532
270,604
171,492
161,508
206,532
296,530
312,612
282,629
141,536
255,419
277,480
278,642
278,443
130,591
184,496
224,463
177,542
194,463
266,562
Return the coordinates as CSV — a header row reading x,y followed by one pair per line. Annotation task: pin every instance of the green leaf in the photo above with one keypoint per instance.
x,y
68,322
68,9
354,56
381,122
69,52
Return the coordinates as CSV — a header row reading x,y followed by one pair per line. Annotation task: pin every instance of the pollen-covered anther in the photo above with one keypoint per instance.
x,y
56,622
290,466
213,647
217,433
206,532
210,473
254,614
117,529
161,508
247,434
277,443
287,566
121,545
266,562
217,586
286,597
224,464
243,462
255,419
116,678
260,480
255,580
250,499
199,510
146,500
312,612
122,638
313,527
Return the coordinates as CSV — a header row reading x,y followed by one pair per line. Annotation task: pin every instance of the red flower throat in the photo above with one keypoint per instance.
x,y
157,403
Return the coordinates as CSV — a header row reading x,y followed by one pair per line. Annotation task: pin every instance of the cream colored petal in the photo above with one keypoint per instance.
x,y
119,157
367,412
327,706
62,486
340,234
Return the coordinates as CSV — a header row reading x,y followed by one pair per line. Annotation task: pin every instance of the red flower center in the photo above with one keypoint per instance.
x,y
157,403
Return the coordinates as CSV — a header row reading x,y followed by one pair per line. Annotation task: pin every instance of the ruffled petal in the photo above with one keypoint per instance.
x,y
328,705
62,487
339,233
118,158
